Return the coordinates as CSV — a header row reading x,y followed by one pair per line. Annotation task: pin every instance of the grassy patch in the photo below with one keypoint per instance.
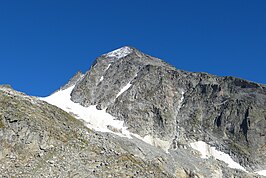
x,y
1,122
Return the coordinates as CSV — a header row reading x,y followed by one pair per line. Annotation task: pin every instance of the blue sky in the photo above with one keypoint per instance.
x,y
44,43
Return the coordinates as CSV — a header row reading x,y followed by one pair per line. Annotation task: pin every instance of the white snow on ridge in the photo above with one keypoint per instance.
x,y
124,89
107,67
101,79
180,101
208,151
98,120
262,172
119,53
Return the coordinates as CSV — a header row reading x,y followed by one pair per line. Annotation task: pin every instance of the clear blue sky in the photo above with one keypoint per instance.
x,y
43,43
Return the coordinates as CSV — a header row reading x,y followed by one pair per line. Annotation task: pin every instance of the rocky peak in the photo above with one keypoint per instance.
x,y
78,76
156,100
110,73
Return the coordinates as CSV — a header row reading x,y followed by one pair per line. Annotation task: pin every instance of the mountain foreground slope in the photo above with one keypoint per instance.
x,y
133,115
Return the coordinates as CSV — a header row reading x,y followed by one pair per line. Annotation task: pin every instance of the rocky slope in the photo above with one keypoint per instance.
x,y
41,140
133,115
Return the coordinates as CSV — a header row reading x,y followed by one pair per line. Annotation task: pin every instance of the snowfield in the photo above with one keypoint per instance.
x,y
99,120
207,151
95,119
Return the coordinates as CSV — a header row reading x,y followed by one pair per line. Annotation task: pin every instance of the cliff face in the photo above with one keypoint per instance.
x,y
134,115
177,106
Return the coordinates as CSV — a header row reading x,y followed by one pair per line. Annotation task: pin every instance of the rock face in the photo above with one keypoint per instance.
x,y
174,105
164,109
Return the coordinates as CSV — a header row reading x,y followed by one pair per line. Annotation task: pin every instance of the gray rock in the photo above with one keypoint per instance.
x,y
78,76
175,105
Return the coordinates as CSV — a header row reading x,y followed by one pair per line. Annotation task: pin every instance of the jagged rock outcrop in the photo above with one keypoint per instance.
x,y
73,80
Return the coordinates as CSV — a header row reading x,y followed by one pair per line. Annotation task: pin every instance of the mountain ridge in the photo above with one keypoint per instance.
x,y
179,123
139,66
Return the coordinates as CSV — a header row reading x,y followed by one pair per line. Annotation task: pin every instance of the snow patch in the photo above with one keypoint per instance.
x,y
208,151
164,145
101,79
180,101
262,172
124,89
119,53
108,67
98,120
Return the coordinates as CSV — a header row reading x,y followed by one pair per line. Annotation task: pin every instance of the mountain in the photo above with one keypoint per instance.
x,y
133,115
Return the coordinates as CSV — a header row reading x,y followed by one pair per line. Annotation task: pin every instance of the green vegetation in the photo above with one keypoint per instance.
x,y
1,123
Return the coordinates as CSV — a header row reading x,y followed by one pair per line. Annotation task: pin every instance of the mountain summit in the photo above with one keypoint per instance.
x,y
119,53
144,118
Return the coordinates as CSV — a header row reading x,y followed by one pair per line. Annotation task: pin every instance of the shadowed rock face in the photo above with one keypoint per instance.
x,y
171,104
